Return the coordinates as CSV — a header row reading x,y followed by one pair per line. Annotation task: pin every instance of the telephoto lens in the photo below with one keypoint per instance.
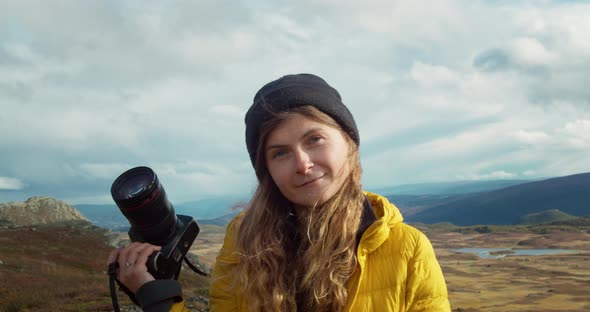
x,y
142,199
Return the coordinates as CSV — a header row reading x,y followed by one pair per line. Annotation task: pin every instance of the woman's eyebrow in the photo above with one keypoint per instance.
x,y
305,134
276,146
310,131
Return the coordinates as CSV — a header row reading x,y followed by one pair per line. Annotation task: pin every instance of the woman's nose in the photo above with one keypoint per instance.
x,y
303,162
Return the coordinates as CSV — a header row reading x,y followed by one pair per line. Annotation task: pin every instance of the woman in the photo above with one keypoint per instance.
x,y
311,239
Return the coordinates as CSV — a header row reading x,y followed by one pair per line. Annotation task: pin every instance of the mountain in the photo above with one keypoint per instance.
x,y
509,205
109,216
447,188
210,208
412,204
39,210
221,221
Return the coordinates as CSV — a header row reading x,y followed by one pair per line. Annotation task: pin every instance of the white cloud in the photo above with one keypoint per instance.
x,y
8,183
577,134
475,89
229,110
531,52
529,173
104,171
496,175
433,76
531,137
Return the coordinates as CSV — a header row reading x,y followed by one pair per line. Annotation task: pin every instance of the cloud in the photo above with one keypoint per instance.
x,y
227,110
496,175
529,173
492,60
521,53
88,89
7,183
547,54
432,76
577,134
531,137
103,171
531,52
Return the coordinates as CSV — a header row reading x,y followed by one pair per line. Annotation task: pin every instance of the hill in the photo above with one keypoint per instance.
x,y
448,188
39,210
509,205
62,268
546,216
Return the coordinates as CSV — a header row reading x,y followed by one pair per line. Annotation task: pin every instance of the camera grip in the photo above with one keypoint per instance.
x,y
154,261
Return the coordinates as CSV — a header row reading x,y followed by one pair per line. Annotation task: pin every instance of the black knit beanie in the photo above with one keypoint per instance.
x,y
292,91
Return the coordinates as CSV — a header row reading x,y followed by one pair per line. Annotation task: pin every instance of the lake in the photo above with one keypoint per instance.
x,y
490,253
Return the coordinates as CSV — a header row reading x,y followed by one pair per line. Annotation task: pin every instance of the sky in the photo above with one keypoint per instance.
x,y
440,90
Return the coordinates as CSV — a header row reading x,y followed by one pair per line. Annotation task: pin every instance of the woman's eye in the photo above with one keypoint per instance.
x,y
315,139
278,154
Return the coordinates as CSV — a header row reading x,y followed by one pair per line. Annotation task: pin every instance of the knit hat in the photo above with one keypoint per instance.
x,y
292,91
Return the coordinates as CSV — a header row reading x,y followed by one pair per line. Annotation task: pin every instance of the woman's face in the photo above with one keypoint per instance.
x,y
307,160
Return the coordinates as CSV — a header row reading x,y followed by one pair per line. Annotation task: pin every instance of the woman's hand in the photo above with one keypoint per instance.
x,y
132,271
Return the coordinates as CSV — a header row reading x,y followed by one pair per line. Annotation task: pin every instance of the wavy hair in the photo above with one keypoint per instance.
x,y
299,260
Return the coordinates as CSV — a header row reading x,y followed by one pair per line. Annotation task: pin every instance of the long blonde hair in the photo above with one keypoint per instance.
x,y
289,261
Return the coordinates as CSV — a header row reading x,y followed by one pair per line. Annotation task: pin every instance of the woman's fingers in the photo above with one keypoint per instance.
x,y
128,256
133,271
134,255
114,255
144,253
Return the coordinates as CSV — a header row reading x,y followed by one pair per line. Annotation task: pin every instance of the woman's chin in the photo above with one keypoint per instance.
x,y
310,201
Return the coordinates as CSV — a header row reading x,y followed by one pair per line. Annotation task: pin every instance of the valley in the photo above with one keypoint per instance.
x,y
512,283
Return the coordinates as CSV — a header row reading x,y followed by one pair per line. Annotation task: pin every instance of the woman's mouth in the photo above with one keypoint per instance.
x,y
311,181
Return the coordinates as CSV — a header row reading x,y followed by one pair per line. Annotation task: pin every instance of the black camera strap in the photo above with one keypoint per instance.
x,y
112,272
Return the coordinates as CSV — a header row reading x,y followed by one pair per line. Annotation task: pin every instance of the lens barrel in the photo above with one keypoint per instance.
x,y
142,200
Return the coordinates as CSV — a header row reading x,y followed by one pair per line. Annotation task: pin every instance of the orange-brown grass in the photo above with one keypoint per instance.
x,y
516,283
62,269
208,243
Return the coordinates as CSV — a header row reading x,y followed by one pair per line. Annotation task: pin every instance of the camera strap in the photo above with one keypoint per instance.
x,y
112,272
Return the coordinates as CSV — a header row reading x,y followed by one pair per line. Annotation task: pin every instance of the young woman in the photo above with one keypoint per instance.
x,y
311,239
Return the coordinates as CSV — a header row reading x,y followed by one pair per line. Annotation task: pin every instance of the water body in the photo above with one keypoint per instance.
x,y
491,253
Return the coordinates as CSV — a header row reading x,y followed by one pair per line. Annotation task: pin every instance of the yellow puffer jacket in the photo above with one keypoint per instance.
x,y
397,269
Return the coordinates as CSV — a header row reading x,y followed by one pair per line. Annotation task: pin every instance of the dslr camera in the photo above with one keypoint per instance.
x,y
143,201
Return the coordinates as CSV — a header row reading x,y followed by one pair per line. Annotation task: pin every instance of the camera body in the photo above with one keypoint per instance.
x,y
166,263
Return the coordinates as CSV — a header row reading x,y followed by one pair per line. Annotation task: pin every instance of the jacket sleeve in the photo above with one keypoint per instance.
x,y
426,289
161,295
223,292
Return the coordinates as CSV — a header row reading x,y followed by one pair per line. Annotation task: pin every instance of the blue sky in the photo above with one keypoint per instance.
x,y
441,90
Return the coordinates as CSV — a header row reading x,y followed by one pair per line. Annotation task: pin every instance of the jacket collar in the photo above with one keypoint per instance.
x,y
367,218
387,216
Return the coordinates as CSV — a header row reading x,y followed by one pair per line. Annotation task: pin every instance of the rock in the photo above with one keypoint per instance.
x,y
117,239
39,211
194,259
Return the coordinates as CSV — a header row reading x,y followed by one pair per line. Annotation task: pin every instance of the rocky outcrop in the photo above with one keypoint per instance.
x,y
39,210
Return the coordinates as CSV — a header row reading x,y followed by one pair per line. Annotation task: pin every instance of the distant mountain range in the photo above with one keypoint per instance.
x,y
509,205
447,188
109,215
460,203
